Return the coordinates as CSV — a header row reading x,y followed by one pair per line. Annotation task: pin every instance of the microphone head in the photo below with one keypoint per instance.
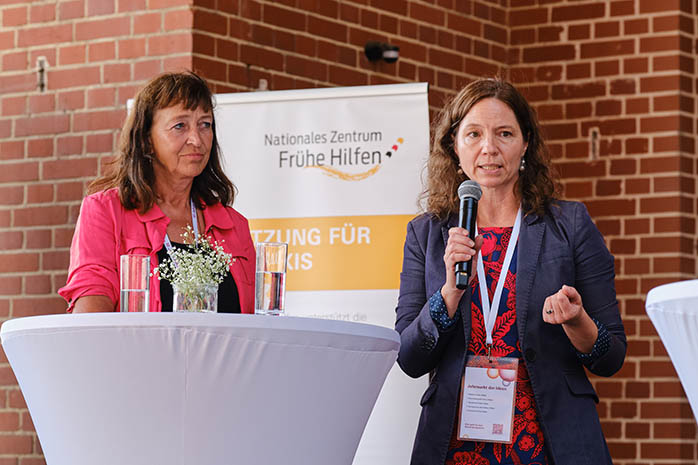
x,y
469,189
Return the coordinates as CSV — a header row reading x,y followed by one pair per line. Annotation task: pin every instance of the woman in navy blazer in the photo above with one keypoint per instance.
x,y
558,312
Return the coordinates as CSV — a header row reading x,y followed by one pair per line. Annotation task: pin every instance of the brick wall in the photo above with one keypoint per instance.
x,y
624,70
53,141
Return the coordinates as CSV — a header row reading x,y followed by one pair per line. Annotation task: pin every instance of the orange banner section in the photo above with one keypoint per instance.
x,y
338,252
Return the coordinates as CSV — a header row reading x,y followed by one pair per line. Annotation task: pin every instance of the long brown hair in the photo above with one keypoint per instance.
x,y
132,169
537,184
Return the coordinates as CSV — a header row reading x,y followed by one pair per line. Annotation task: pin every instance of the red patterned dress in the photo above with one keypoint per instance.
x,y
528,443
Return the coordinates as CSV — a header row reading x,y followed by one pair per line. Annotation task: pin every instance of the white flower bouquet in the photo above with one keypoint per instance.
x,y
195,272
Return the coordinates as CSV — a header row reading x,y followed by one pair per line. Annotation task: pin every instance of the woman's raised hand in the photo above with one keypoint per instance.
x,y
459,248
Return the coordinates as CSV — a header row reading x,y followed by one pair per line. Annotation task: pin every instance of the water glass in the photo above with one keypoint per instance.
x,y
270,278
135,283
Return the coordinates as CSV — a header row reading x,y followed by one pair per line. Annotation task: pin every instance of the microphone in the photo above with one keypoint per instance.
x,y
469,193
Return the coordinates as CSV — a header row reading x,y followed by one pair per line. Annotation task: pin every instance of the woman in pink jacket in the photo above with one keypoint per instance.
x,y
167,176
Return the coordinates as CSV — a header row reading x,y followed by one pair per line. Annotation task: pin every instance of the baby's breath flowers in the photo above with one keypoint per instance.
x,y
203,263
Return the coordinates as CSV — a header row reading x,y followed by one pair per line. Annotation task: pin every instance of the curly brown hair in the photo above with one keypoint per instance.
x,y
132,169
537,185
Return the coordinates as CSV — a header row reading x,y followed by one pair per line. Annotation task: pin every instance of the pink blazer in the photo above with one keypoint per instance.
x,y
105,230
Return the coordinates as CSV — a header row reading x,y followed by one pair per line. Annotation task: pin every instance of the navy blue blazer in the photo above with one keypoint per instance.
x,y
562,247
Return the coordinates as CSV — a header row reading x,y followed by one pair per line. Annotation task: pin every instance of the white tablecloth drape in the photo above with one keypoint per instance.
x,y
673,309
198,388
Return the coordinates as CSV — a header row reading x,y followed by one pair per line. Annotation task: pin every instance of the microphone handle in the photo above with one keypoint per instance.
x,y
466,219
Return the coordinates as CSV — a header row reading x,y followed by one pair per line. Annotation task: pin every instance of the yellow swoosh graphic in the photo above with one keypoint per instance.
x,y
327,171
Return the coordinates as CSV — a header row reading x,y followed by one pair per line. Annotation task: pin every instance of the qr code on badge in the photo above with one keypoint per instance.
x,y
497,428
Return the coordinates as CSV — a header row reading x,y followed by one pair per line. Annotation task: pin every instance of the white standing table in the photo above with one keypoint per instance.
x,y
673,309
159,388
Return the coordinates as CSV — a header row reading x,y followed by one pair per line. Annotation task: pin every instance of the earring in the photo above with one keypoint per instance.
x,y
523,164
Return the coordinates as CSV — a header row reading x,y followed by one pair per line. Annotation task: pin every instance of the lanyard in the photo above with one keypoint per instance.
x,y
489,311
194,221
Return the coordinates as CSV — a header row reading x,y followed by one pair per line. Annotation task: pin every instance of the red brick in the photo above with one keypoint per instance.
x,y
663,244
660,44
59,260
346,76
661,123
166,43
322,27
665,409
79,77
69,145
37,306
184,19
674,429
25,82
71,10
132,5
208,21
11,239
289,19
147,23
18,262
72,54
14,105
101,51
15,61
102,28
11,195
42,103
100,7
607,29
608,107
69,168
54,34
116,72
16,16
42,13
608,48
637,105
673,264
40,193
51,124
611,207
636,26
16,444
623,8
578,12
143,70
608,187
39,284
548,53
98,120
623,409
131,48
579,31
607,68
69,191
261,57
38,239
71,100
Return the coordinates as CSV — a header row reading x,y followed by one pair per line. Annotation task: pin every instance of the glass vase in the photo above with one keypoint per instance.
x,y
201,298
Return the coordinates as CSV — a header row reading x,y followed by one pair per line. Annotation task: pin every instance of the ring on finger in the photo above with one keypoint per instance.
x,y
549,311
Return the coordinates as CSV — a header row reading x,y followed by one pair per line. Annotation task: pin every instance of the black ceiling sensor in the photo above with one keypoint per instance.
x,y
381,51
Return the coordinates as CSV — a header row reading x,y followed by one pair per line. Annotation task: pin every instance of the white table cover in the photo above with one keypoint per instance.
x,y
673,309
198,388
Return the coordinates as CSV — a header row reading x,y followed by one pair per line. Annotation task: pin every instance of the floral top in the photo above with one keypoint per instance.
x,y
528,442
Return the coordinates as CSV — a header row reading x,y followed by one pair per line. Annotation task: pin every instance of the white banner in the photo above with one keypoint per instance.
x,y
335,173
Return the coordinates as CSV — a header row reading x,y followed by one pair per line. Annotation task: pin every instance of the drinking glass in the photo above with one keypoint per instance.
x,y
270,278
135,283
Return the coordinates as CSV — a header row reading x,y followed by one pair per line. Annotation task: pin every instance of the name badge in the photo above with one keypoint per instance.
x,y
487,399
